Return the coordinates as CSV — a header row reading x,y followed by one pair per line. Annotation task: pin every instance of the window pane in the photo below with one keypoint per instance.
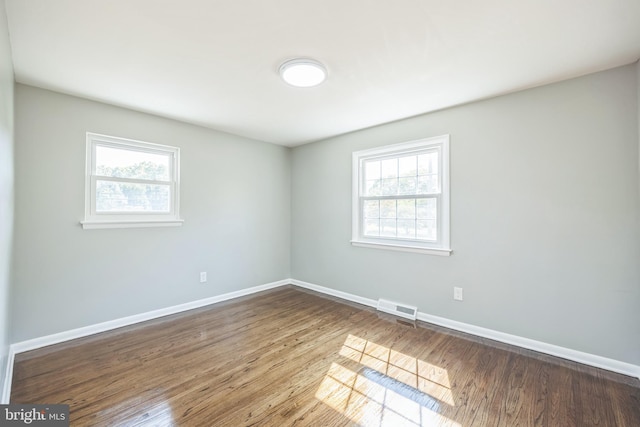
x,y
388,227
387,208
428,184
390,187
372,209
408,166
426,229
372,227
122,163
407,185
427,208
372,170
390,168
428,163
128,197
407,228
407,208
373,187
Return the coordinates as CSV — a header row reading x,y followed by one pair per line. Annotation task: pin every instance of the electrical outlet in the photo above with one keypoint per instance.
x,y
457,294
203,277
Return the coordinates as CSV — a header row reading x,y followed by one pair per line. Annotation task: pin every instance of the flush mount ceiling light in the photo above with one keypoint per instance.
x,y
303,72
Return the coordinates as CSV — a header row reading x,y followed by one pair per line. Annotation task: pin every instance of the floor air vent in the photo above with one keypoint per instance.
x,y
402,310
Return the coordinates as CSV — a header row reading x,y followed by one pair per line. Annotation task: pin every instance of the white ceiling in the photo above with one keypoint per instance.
x,y
215,62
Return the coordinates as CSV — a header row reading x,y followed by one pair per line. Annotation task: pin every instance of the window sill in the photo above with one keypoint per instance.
x,y
87,225
427,251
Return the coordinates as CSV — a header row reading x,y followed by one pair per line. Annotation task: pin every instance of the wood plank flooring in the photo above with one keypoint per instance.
x,y
292,357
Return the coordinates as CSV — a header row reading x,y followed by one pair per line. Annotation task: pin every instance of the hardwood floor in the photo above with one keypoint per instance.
x,y
292,357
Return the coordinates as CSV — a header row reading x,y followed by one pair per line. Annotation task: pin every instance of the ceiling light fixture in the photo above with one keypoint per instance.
x,y
303,72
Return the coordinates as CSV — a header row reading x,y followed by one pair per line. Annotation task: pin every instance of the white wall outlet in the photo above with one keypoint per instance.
x,y
203,277
457,294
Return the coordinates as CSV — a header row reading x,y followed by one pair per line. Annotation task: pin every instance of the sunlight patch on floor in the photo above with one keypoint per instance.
x,y
424,376
390,388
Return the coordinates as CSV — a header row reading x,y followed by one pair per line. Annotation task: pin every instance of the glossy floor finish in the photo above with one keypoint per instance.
x,y
291,357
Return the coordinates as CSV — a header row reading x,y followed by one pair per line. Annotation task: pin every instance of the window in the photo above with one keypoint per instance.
x,y
401,196
131,183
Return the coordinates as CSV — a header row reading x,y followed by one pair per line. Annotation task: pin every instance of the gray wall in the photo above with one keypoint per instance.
x,y
6,183
545,216
235,200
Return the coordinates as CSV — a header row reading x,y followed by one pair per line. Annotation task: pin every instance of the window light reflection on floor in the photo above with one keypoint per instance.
x,y
391,388
150,413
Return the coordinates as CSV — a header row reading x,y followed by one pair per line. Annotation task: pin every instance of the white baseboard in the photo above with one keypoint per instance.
x,y
539,346
137,318
542,347
8,378
328,291
565,353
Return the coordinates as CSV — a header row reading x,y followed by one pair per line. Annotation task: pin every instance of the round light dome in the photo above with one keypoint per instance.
x,y
303,72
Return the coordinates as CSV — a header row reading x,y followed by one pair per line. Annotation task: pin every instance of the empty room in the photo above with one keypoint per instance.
x,y
338,213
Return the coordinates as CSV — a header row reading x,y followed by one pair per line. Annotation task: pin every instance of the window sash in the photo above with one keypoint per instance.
x,y
397,155
136,214
363,219
169,152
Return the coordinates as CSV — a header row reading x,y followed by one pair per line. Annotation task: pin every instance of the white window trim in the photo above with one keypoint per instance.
x,y
93,220
443,247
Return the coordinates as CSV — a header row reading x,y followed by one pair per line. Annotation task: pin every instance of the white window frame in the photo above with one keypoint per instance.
x,y
93,219
441,246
